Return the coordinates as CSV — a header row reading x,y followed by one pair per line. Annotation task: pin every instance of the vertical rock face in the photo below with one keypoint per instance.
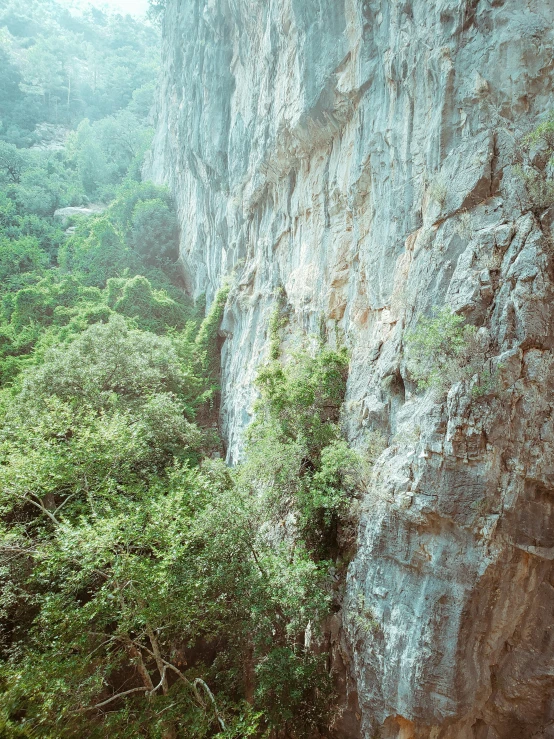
x,y
361,154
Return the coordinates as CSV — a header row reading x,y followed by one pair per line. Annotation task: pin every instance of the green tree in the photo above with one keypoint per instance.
x,y
442,349
12,163
154,232
23,255
96,252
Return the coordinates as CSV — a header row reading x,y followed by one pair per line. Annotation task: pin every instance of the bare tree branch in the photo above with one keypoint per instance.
x,y
114,698
137,656
40,505
192,685
157,656
198,681
163,680
64,502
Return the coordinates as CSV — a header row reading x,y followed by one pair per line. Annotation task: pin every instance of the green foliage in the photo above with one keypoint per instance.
x,y
17,116
152,310
138,233
291,684
154,232
363,619
539,186
62,66
96,252
145,588
120,539
12,163
123,545
130,196
542,134
305,394
537,171
438,191
488,383
108,362
206,342
104,152
277,323
442,350
20,256
15,226
295,451
156,9
132,242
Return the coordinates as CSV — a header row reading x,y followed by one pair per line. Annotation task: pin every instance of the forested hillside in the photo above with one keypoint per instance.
x,y
147,589
59,66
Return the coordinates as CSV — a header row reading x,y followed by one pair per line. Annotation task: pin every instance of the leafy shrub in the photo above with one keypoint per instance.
x,y
129,196
108,364
542,134
277,322
539,187
538,171
153,310
154,232
295,453
206,342
22,255
332,485
12,163
303,395
442,350
137,233
293,689
96,252
438,191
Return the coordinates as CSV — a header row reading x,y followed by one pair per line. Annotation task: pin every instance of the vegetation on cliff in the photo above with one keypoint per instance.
x,y
146,589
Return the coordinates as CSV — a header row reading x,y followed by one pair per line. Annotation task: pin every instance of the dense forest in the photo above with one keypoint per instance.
x,y
146,588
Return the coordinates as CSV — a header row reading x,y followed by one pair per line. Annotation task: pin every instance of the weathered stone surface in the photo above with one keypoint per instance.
x,y
362,155
84,211
50,137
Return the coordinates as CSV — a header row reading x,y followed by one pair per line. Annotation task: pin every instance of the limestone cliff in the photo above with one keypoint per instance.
x,y
361,154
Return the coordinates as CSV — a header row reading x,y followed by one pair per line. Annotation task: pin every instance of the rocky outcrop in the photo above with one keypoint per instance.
x,y
361,154
50,137
66,215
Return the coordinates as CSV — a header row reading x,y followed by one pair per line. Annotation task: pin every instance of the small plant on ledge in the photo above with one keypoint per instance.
x,y
537,148
442,350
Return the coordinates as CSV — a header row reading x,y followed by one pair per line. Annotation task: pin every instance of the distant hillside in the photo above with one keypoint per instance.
x,y
59,65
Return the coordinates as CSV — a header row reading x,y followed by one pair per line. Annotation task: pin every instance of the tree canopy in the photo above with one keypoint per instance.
x,y
146,589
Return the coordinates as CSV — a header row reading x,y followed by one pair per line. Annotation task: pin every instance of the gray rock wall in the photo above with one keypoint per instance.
x,y
361,154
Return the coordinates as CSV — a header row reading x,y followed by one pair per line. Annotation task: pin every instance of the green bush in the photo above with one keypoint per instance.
x,y
154,232
153,310
295,452
442,350
96,252
19,256
538,172
130,195
12,163
539,187
293,690
206,342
